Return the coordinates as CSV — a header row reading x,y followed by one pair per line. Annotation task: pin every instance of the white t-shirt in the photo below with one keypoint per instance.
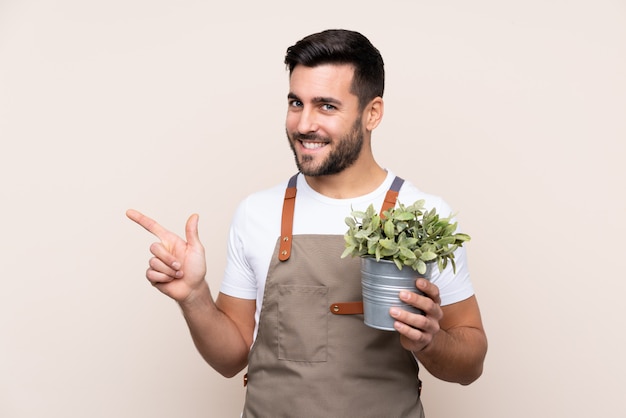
x,y
256,227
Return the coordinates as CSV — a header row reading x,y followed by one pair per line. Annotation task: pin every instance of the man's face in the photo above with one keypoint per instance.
x,y
323,119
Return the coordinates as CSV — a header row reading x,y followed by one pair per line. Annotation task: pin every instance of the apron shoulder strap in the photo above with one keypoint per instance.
x,y
286,226
392,195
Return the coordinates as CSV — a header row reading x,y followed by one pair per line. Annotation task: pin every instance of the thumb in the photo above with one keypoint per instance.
x,y
191,231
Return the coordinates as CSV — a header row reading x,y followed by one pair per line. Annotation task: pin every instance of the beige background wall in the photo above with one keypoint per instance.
x,y
513,111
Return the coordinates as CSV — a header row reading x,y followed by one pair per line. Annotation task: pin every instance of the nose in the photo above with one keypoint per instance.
x,y
307,121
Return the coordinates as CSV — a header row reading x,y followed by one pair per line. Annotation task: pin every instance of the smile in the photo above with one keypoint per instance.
x,y
312,145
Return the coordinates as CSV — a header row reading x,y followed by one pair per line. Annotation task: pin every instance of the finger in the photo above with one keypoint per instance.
x,y
424,302
191,230
414,320
160,252
412,338
416,335
146,222
159,266
416,331
156,277
431,290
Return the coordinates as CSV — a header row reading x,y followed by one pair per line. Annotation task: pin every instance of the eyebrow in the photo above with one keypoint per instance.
x,y
317,100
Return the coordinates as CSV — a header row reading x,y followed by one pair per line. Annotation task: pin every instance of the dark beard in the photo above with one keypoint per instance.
x,y
347,152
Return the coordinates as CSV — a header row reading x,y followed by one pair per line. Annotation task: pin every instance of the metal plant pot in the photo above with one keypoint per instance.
x,y
381,283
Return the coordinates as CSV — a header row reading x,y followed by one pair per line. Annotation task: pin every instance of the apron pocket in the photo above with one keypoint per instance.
x,y
302,323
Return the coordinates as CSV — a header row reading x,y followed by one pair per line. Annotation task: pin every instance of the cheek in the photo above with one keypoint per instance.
x,y
291,122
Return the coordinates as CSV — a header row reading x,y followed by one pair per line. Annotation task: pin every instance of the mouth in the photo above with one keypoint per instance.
x,y
309,145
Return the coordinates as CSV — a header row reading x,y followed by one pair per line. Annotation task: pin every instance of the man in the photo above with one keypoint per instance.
x,y
284,268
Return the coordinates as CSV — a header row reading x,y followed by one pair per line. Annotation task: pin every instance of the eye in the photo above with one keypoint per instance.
x,y
328,107
294,103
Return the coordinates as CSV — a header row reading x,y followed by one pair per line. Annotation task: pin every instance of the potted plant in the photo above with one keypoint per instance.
x,y
396,248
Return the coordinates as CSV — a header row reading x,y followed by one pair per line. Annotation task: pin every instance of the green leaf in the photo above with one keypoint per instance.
x,y
453,265
389,228
404,216
446,241
348,251
462,237
408,235
421,267
350,241
359,214
407,253
362,234
428,256
387,252
388,243
403,241
449,229
398,263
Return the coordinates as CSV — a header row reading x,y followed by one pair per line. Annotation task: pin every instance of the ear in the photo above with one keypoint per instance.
x,y
373,113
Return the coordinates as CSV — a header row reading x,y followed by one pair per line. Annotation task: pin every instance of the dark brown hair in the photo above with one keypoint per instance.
x,y
340,46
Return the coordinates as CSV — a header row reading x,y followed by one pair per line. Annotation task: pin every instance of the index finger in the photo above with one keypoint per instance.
x,y
146,222
431,290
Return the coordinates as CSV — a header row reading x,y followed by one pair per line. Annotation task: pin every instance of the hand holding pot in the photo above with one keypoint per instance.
x,y
417,331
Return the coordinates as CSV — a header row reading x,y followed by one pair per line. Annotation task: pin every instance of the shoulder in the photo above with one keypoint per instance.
x,y
268,195
453,287
262,203
409,193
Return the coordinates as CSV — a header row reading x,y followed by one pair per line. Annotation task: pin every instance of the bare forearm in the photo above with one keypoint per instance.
x,y
215,335
455,355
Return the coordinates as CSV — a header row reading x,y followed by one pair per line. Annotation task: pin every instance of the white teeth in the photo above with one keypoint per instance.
x,y
312,145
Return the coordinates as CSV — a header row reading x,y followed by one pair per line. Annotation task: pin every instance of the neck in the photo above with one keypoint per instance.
x,y
351,182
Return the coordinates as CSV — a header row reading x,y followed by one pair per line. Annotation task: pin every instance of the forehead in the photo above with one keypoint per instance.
x,y
321,80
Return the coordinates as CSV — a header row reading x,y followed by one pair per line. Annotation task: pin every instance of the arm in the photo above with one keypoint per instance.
x,y
222,330
449,341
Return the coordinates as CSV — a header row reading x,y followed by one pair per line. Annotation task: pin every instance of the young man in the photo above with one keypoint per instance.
x,y
284,268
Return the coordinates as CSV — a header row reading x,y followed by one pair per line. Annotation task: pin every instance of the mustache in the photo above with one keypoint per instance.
x,y
309,137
